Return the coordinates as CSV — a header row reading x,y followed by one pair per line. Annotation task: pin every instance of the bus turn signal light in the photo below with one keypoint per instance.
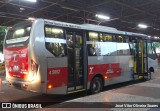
x,y
49,86
105,77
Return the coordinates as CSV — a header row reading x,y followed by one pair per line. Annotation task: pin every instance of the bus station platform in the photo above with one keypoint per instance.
x,y
146,91
141,92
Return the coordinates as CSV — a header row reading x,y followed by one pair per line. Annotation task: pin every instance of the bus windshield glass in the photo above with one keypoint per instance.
x,y
18,35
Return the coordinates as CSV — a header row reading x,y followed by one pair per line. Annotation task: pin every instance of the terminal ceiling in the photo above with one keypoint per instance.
x,y
124,14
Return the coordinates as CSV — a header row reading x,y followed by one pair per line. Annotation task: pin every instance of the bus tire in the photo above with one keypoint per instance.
x,y
96,85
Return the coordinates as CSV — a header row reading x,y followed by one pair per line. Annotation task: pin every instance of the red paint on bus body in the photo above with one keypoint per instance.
x,y
109,70
16,61
57,77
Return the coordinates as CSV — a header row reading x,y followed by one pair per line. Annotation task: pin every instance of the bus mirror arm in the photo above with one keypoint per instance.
x,y
154,49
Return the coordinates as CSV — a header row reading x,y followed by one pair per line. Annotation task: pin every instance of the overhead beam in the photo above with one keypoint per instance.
x,y
102,3
137,9
34,11
133,8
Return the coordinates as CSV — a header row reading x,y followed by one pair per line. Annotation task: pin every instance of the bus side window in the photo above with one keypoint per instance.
x,y
93,47
123,47
107,46
119,38
149,47
153,48
55,42
105,38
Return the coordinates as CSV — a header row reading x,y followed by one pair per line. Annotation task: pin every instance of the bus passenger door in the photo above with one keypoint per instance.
x,y
140,58
75,61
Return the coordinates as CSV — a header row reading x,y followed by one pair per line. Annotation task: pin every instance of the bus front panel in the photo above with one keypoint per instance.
x,y
16,54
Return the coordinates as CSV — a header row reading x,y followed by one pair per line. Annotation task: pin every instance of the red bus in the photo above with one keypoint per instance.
x,y
55,57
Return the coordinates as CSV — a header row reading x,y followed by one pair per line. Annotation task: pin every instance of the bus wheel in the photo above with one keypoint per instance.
x,y
96,85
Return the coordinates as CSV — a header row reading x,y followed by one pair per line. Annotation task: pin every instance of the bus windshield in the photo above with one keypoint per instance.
x,y
18,35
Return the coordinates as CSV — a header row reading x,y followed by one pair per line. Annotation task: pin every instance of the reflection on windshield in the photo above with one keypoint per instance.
x,y
18,33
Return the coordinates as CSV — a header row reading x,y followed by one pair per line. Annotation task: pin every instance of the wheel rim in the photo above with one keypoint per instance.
x,y
96,86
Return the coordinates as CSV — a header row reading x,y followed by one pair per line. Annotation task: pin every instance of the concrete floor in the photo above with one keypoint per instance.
x,y
148,91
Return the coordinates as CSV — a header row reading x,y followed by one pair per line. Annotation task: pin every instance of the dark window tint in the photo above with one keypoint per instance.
x,y
106,37
93,45
55,41
150,48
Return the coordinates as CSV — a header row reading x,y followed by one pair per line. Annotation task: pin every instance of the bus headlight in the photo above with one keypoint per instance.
x,y
7,75
30,77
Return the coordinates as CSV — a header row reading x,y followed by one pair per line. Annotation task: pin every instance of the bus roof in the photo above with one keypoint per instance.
x,y
92,27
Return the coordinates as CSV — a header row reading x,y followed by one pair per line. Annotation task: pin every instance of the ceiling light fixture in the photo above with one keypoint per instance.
x,y
143,26
31,18
21,8
156,37
31,0
102,16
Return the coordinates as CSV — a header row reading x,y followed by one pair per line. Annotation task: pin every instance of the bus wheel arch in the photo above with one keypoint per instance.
x,y
97,84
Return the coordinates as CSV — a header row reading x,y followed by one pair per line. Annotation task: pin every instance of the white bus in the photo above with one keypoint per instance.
x,y
55,57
